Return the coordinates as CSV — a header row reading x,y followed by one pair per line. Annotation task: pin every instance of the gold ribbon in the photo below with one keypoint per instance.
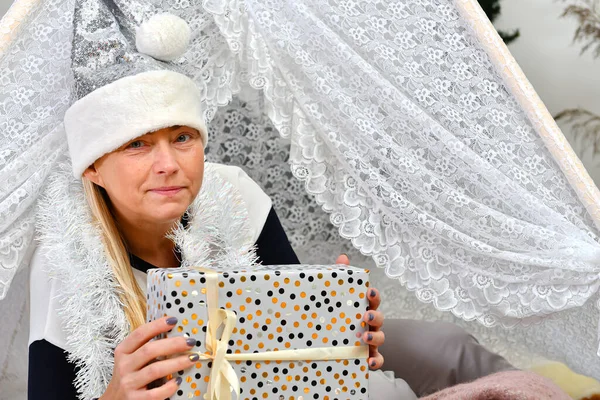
x,y
222,376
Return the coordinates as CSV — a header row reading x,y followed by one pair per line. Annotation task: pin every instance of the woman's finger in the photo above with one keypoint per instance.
x,y
374,319
374,339
157,348
163,368
343,259
164,391
375,361
143,334
374,298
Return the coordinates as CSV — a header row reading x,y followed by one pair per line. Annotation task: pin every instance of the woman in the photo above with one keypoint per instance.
x,y
138,189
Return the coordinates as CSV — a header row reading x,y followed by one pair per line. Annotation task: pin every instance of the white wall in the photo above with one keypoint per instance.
x,y
562,77
4,5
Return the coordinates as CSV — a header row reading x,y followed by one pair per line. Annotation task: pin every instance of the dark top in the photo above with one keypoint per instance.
x,y
51,376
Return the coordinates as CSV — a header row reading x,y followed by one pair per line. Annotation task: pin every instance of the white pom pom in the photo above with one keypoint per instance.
x,y
164,37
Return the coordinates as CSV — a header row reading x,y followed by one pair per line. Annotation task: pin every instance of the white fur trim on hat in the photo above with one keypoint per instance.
x,y
130,107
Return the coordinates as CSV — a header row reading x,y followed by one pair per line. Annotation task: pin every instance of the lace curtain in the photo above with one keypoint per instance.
x,y
415,145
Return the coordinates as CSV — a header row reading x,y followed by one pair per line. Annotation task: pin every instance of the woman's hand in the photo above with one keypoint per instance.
x,y
374,336
135,368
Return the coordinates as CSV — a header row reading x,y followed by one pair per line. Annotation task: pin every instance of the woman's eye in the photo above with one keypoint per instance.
x,y
135,145
183,138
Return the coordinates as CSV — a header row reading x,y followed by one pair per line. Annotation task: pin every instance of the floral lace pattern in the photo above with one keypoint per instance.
x,y
405,138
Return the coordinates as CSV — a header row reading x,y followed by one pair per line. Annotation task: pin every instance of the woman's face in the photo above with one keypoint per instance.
x,y
155,177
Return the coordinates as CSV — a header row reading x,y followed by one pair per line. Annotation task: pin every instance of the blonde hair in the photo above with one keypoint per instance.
x,y
130,293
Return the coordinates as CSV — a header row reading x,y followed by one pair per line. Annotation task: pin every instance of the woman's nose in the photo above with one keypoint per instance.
x,y
165,159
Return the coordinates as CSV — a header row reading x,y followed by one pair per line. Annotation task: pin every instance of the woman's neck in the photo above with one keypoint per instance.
x,y
148,241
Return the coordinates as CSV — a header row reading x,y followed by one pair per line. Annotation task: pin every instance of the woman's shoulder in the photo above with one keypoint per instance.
x,y
257,201
45,322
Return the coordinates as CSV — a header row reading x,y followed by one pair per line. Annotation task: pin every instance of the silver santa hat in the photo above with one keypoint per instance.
x,y
127,78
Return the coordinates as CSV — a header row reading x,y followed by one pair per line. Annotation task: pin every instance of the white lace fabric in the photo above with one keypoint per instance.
x,y
402,127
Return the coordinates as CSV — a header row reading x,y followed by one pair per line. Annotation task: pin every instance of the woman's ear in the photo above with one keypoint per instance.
x,y
91,173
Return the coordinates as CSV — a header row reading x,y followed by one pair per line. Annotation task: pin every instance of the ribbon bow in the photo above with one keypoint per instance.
x,y
222,376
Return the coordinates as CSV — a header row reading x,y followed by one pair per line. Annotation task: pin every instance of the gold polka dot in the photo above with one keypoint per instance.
x,y
243,278
238,292
221,284
192,281
283,304
306,390
320,275
296,324
267,277
194,316
277,314
228,305
361,295
327,283
256,325
271,336
314,336
333,320
310,324
348,321
340,282
297,283
188,379
193,385
303,316
257,365
261,345
286,280
194,331
279,329
265,374
243,379
242,308
358,316
184,293
325,340
351,290
180,329
276,284
258,313
177,283
328,327
184,321
248,300
201,322
296,307
303,295
333,293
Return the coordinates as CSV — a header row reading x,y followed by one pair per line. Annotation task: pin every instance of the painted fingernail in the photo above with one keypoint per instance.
x,y
371,316
373,363
171,320
190,342
194,357
178,380
369,337
372,293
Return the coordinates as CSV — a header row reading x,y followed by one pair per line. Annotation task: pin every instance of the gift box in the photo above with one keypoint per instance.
x,y
275,332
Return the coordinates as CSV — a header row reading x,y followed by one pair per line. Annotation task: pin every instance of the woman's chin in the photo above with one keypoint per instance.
x,y
167,212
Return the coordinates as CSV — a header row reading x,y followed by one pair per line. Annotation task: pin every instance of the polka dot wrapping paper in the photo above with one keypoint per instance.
x,y
276,308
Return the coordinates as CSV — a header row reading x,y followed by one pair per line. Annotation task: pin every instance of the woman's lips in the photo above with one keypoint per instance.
x,y
167,191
